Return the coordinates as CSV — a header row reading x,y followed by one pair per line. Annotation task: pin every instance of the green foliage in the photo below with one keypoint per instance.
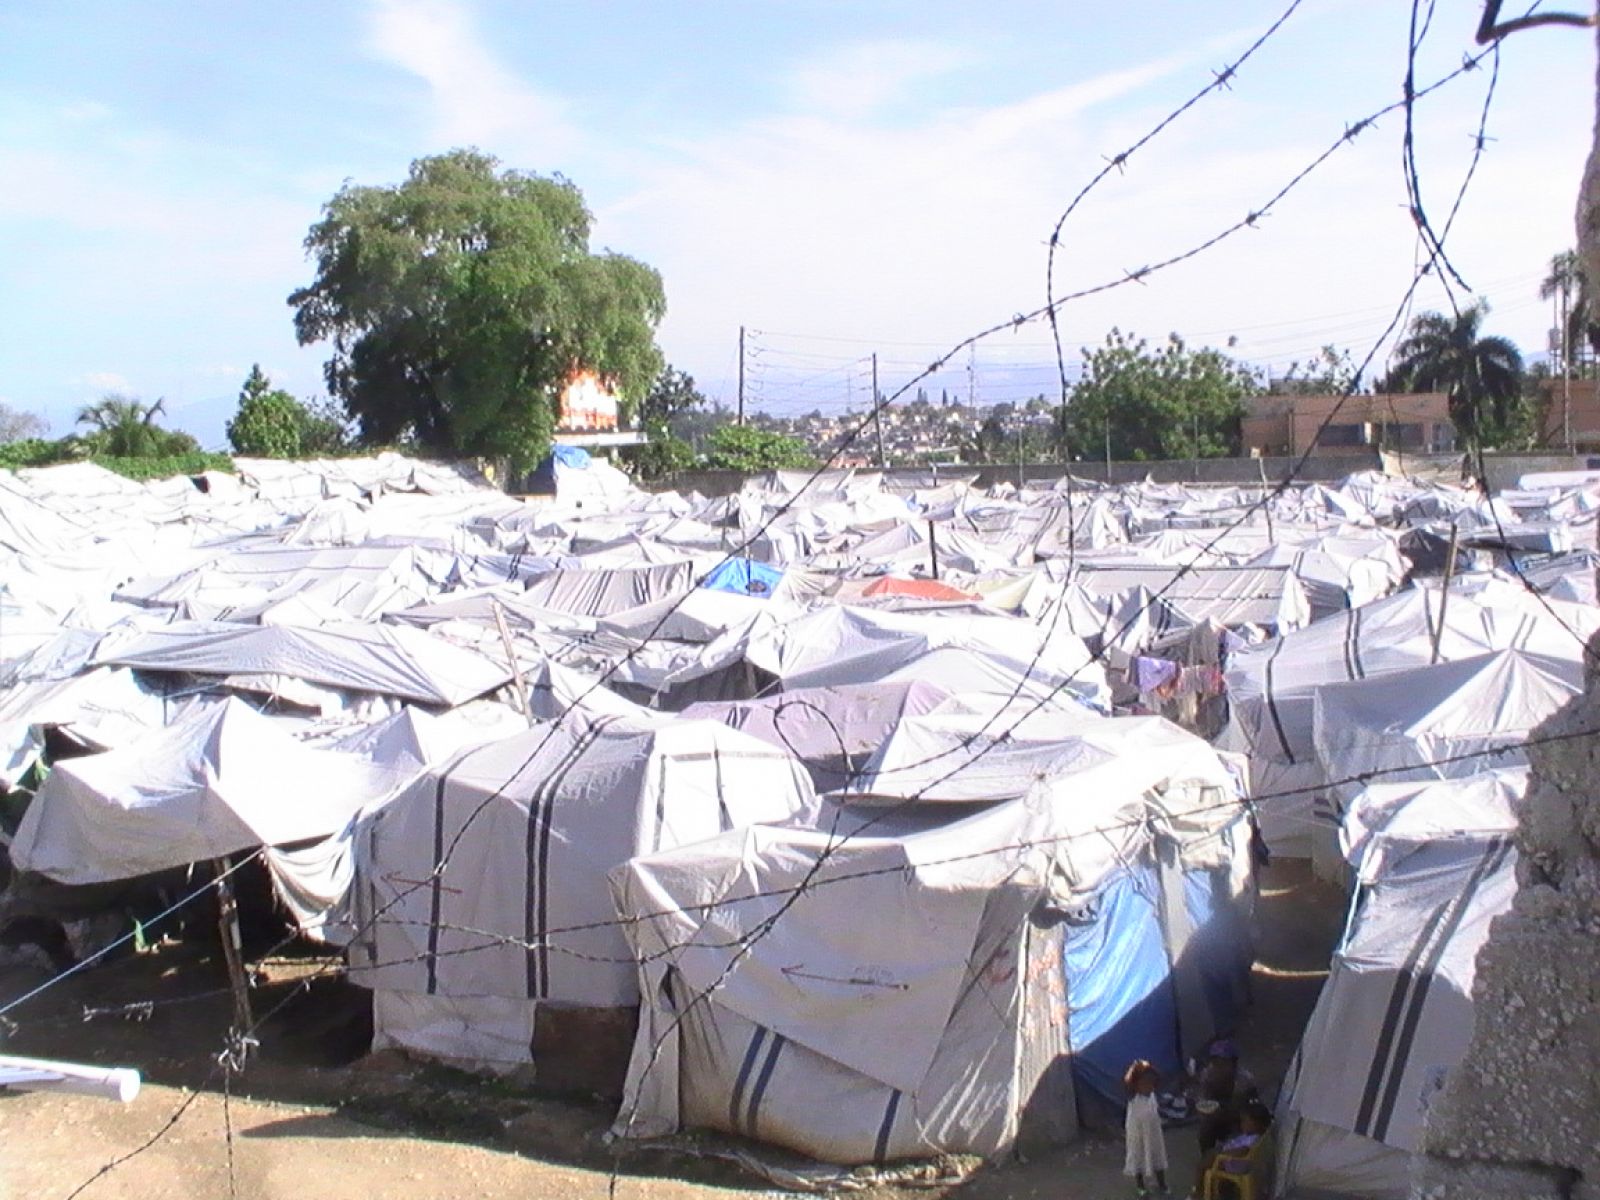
x,y
672,394
271,423
988,444
324,430
1331,373
124,427
183,457
698,426
1567,284
1170,402
31,452
1481,375
664,455
746,448
192,462
459,303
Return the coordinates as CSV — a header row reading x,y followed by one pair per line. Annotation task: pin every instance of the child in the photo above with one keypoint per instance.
x,y
1255,1118
1147,1148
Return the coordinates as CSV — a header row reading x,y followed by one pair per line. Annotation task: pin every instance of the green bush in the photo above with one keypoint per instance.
x,y
165,466
663,455
32,452
746,448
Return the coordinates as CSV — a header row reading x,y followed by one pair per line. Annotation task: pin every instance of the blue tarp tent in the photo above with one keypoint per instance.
x,y
1119,987
542,482
744,577
1146,980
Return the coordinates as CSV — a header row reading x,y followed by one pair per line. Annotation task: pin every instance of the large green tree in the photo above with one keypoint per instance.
x,y
1481,374
460,301
1152,403
269,420
672,394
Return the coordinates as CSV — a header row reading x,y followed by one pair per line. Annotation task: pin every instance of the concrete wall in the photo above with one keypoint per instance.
x,y
1329,469
1504,469
1520,1117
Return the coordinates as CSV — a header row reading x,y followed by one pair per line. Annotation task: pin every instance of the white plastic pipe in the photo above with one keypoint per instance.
x,y
39,1075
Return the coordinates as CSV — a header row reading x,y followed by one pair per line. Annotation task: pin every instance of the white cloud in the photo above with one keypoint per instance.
x,y
922,230
862,77
85,111
473,98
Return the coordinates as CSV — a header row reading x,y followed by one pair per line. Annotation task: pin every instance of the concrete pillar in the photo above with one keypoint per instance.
x,y
1521,1115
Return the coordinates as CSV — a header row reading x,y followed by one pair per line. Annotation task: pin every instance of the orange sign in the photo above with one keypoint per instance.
x,y
587,403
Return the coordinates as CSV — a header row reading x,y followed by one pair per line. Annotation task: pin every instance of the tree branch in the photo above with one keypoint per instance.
x,y
1491,28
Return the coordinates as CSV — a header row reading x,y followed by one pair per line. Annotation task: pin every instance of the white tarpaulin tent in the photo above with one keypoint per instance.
x,y
1396,1013
1437,721
944,1024
222,780
1266,595
387,660
461,957
834,731
1273,686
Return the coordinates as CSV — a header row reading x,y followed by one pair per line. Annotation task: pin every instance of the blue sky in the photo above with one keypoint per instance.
x,y
838,177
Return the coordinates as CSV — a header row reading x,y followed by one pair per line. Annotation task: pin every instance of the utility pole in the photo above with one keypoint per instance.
x,y
1021,429
741,374
1194,443
877,413
1108,448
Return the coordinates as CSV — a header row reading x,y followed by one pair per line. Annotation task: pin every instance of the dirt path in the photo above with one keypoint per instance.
x,y
52,1144
421,1136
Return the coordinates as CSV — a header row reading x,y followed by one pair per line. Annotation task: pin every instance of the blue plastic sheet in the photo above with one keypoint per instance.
x,y
1119,988
744,577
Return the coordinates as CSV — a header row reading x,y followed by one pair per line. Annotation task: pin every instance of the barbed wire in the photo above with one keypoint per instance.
x,y
1420,272
131,935
791,893
1050,311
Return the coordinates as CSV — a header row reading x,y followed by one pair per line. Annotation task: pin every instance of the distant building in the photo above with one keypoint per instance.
x,y
1282,424
589,415
1574,403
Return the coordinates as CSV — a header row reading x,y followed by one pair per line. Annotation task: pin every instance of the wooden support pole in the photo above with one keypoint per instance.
x,y
232,947
524,703
1444,595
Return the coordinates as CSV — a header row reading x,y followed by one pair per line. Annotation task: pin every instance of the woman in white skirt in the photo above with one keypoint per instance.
x,y
1147,1146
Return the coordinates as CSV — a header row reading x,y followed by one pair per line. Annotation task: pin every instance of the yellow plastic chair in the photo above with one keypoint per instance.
x,y
1257,1163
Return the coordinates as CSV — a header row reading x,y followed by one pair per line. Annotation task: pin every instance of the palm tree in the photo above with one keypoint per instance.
x,y
1481,375
125,427
1567,282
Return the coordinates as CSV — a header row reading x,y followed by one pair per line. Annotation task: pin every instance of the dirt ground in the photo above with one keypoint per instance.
x,y
303,1128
